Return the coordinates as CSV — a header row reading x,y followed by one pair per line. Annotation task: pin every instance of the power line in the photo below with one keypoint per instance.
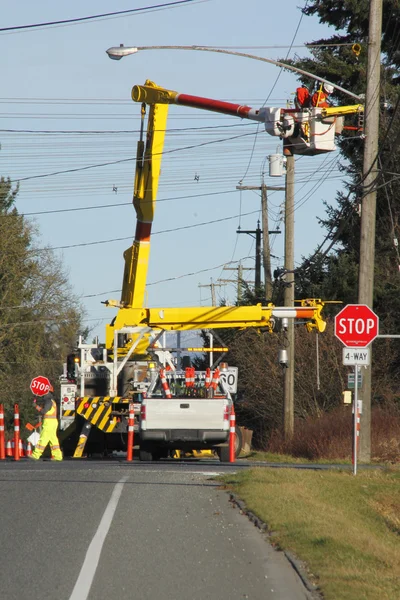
x,y
125,160
94,17
130,237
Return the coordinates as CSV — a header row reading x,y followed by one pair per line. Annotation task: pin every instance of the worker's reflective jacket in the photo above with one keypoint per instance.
x,y
52,412
319,99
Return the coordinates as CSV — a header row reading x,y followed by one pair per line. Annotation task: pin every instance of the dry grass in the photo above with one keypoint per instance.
x,y
329,437
345,528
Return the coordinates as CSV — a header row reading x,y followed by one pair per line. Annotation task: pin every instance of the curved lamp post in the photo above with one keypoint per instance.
x,y
118,52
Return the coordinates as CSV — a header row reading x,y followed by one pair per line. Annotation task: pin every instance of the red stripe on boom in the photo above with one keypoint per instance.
x,y
215,105
143,231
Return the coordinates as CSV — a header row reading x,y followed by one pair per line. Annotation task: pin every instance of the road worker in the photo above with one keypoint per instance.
x,y
47,407
320,97
302,98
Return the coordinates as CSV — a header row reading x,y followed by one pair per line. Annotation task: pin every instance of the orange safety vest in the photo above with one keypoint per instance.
x,y
319,99
52,413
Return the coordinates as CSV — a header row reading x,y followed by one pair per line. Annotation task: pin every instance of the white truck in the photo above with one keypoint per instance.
x,y
185,410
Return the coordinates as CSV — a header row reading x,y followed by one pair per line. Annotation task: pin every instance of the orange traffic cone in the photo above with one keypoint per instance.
x,y
21,448
9,451
29,449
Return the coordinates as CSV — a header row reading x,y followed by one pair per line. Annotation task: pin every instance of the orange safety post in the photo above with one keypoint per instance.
x,y
2,438
131,433
16,432
164,384
232,435
215,379
189,377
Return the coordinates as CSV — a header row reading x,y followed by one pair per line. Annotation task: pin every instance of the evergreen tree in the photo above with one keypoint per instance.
x,y
334,275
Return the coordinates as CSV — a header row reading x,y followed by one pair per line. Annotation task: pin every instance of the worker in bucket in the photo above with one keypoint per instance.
x,y
47,407
320,97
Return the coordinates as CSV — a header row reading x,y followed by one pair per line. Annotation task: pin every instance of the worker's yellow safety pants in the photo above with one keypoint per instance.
x,y
48,436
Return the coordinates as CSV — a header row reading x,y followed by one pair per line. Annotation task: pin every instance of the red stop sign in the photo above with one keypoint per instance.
x,y
40,385
356,325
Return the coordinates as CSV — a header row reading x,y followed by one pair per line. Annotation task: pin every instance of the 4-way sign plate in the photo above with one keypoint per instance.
x,y
356,356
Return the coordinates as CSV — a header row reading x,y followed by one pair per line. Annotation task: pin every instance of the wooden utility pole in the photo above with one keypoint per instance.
x,y
238,281
288,391
368,206
212,287
266,250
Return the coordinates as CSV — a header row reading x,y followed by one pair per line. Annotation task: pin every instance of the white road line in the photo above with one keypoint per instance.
x,y
88,570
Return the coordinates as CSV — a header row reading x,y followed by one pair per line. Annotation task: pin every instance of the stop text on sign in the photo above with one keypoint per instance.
x,y
40,386
358,326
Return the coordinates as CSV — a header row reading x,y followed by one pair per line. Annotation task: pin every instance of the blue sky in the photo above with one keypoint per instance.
x,y
66,105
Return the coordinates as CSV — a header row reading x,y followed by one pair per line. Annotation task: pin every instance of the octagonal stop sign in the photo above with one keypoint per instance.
x,y
40,385
356,325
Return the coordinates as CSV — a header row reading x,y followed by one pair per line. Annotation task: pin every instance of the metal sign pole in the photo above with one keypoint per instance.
x,y
355,414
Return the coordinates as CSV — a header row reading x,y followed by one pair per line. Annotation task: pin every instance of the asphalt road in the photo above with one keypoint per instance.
x,y
87,530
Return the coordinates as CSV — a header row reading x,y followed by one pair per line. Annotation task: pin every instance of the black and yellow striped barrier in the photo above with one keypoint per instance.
x,y
98,410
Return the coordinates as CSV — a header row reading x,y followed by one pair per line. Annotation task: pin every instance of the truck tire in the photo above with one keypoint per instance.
x,y
223,453
238,441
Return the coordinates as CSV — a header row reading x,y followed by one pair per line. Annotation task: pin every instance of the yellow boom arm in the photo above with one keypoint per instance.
x,y
213,317
148,166
132,312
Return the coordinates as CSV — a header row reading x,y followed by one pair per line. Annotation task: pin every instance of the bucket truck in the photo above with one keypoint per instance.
x,y
101,380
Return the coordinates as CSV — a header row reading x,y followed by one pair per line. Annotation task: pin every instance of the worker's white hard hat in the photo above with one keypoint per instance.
x,y
328,88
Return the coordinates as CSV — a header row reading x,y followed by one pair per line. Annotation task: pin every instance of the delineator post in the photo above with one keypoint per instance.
x,y
131,433
232,435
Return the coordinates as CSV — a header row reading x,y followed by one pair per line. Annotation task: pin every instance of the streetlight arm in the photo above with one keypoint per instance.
x,y
118,52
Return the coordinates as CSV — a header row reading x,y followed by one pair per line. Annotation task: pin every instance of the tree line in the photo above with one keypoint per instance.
x,y
40,316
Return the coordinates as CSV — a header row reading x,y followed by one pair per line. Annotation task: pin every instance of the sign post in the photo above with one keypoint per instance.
x,y
356,326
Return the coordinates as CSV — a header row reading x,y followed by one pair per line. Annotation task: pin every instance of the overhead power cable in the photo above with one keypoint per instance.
x,y
125,160
94,17
172,278
130,237
79,208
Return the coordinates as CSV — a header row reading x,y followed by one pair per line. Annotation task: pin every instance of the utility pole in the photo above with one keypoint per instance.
x,y
288,388
212,286
239,280
266,250
257,232
368,206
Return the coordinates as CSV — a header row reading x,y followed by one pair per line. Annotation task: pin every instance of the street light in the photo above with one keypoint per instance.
x,y
118,52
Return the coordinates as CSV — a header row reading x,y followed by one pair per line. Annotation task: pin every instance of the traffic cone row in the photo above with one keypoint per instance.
x,y
25,449
15,447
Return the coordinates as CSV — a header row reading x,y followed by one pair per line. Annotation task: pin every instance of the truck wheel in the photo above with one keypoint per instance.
x,y
238,441
145,454
223,453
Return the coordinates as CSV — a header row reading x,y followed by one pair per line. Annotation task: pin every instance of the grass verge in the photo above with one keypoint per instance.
x,y
345,528
275,458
